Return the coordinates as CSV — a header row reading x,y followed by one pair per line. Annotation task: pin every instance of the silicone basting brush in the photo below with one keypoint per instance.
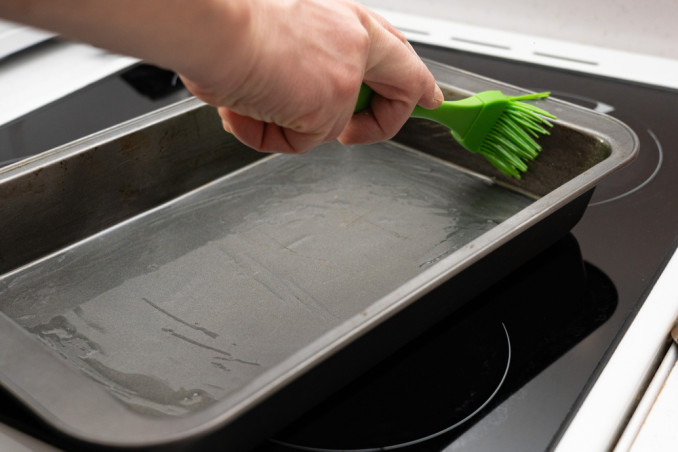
x,y
502,128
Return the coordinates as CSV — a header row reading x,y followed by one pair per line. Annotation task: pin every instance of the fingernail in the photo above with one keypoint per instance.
x,y
438,95
227,127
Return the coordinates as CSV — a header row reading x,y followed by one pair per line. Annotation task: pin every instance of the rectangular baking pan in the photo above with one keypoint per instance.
x,y
162,286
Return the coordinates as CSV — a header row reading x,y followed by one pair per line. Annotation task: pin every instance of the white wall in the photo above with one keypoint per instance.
x,y
649,27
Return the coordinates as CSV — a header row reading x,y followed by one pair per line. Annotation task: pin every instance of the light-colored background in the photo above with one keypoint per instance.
x,y
648,27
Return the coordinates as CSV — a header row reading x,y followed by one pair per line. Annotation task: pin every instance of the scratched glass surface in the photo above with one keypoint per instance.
x,y
187,303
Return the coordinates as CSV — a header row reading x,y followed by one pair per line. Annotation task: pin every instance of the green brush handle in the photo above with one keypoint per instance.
x,y
450,113
457,115
364,98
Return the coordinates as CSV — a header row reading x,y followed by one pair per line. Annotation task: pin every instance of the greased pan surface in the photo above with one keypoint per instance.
x,y
160,281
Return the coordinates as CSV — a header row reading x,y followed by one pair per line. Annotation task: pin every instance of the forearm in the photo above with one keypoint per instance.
x,y
184,35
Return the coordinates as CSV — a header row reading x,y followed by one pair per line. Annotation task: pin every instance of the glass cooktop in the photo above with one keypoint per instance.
x,y
506,372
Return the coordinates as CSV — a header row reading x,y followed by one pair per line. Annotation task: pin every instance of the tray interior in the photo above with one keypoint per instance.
x,y
174,266
188,302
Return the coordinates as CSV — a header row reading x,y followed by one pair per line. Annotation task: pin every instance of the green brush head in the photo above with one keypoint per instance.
x,y
502,128
510,142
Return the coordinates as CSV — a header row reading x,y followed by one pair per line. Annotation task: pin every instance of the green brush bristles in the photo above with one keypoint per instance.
x,y
511,144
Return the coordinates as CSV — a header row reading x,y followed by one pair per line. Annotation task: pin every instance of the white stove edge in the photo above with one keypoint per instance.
x,y
15,37
605,412
36,76
637,428
634,67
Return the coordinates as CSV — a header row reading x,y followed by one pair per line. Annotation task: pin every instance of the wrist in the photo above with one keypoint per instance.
x,y
220,51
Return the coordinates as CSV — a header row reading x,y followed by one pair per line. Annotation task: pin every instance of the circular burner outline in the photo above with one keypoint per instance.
x,y
602,107
660,161
419,440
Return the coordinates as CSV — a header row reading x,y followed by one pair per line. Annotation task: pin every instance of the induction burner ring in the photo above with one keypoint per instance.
x,y
422,439
644,169
660,161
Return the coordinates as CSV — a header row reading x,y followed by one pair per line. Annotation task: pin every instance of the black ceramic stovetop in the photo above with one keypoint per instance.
x,y
505,372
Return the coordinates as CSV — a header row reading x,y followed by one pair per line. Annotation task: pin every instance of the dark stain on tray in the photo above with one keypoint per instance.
x,y
566,153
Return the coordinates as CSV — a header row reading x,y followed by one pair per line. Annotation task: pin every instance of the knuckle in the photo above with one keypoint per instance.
x,y
362,40
307,123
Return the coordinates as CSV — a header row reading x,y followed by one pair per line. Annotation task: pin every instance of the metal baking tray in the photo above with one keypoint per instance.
x,y
161,285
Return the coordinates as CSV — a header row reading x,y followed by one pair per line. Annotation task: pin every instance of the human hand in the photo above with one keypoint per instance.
x,y
285,74
294,81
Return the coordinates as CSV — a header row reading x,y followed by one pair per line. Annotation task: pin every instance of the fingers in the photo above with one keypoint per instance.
x,y
400,81
293,107
380,122
433,96
390,28
268,137
391,60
